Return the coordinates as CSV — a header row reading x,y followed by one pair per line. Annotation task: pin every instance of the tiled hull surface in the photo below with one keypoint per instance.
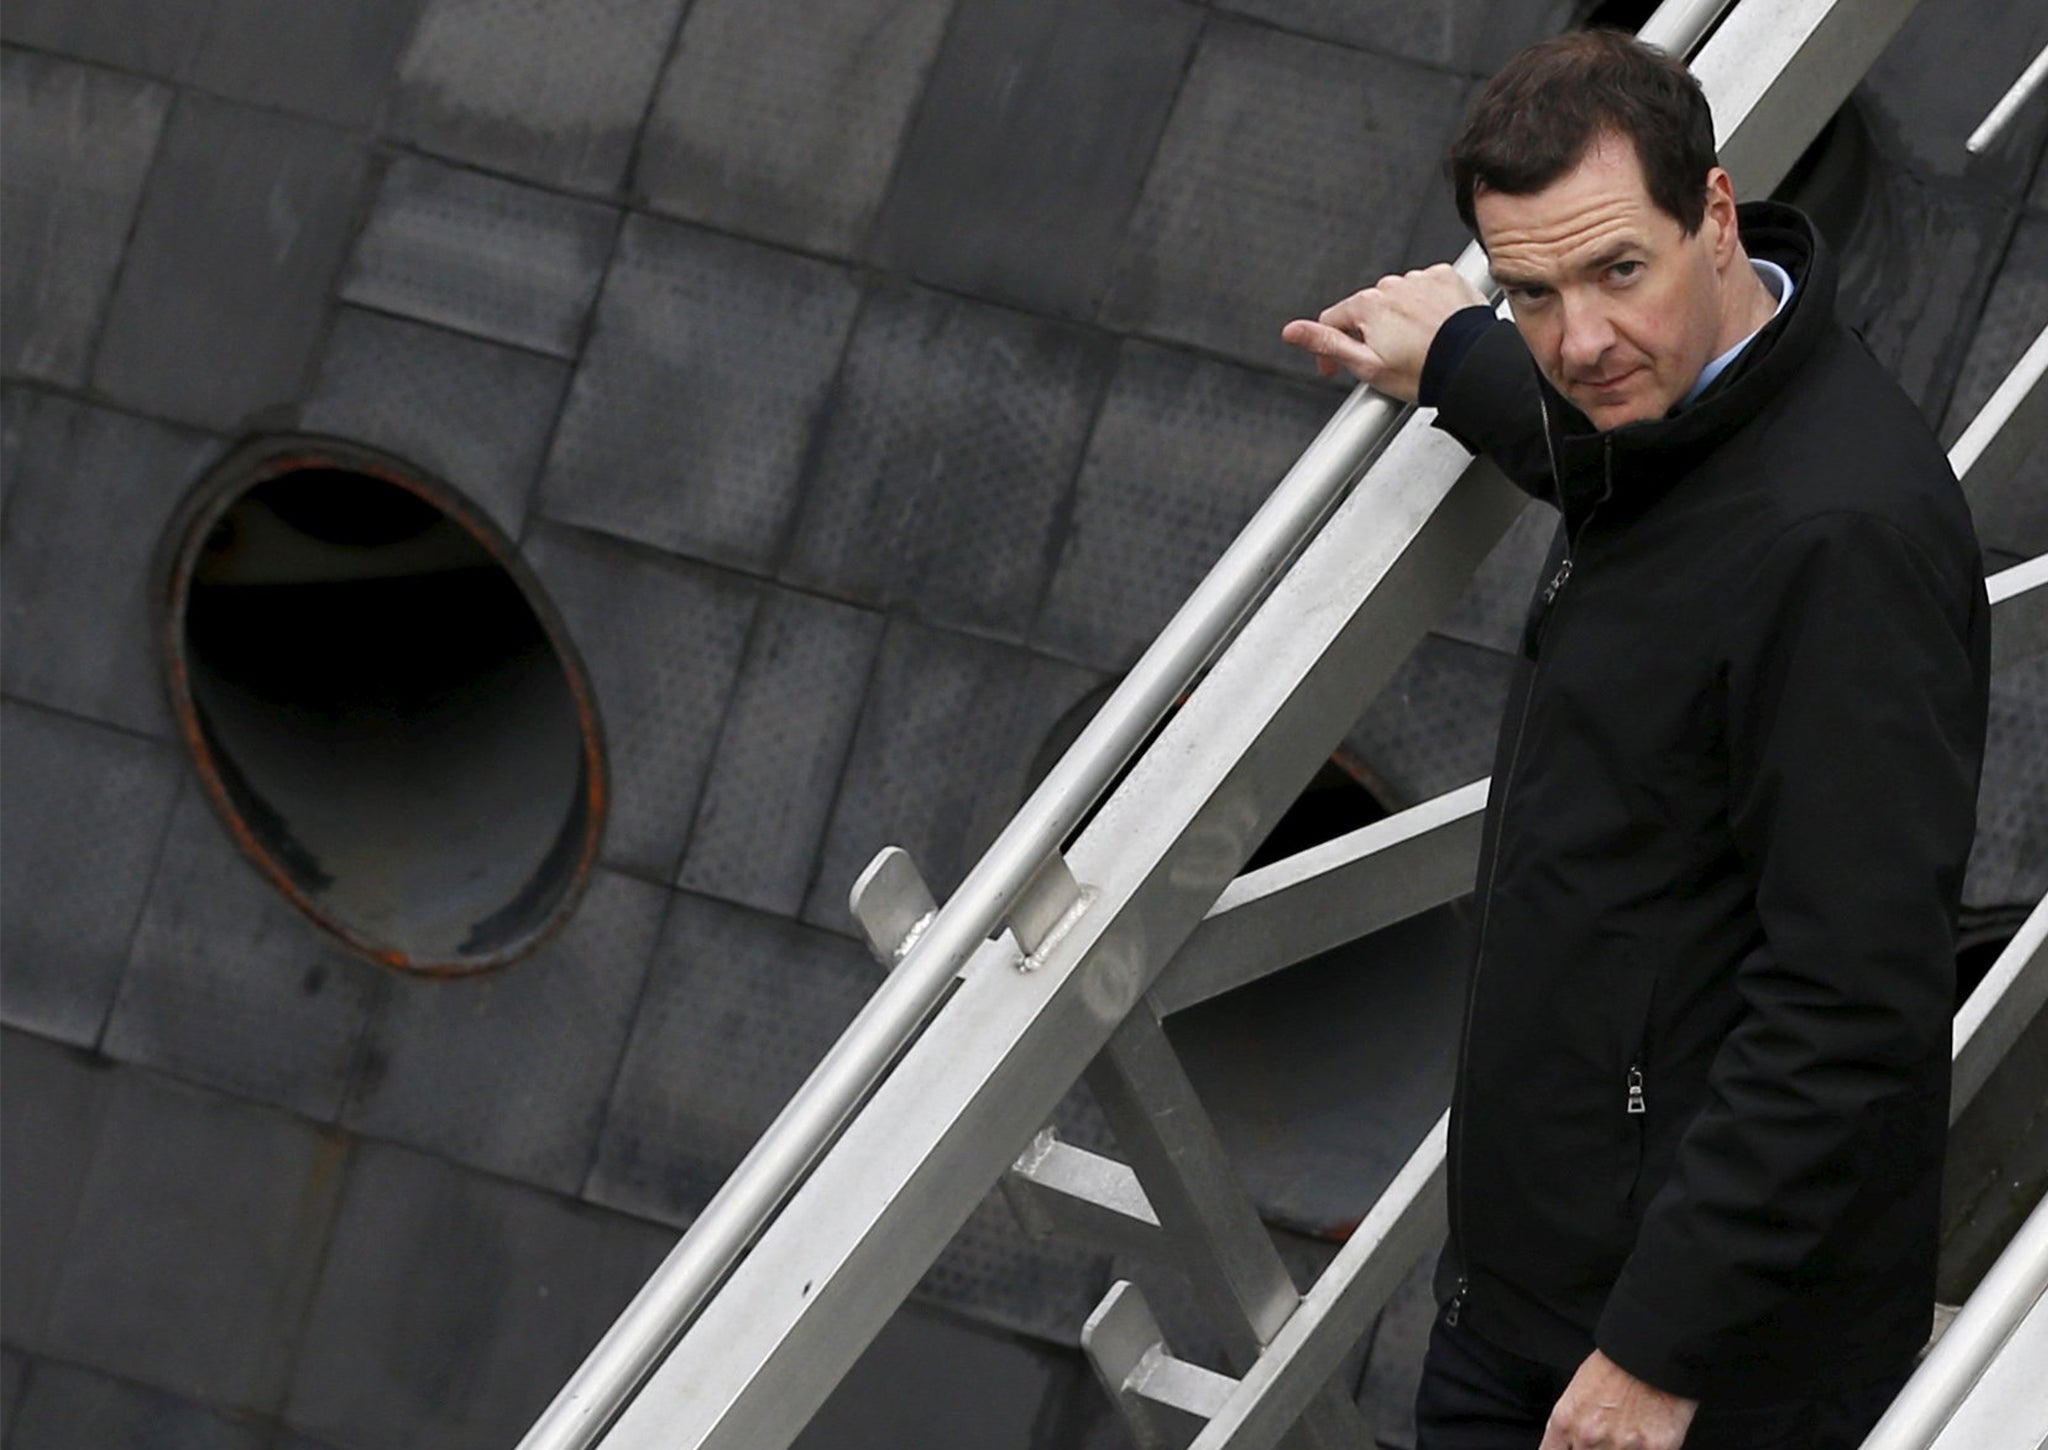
x,y
865,382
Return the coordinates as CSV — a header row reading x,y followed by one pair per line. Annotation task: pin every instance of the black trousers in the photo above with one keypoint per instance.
x,y
1474,1396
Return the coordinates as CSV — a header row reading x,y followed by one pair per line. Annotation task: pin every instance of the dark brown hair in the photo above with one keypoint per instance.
x,y
1535,120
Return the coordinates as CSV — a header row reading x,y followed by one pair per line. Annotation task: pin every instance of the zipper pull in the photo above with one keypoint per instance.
x,y
1636,1106
1457,1304
1558,581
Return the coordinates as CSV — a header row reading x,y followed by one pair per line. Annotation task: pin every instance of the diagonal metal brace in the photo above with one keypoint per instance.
x,y
1211,1229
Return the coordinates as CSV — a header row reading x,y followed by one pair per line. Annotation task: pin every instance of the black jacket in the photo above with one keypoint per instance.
x,y
1702,1089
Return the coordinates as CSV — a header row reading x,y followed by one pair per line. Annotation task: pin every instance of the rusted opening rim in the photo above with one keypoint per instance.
x,y
380,782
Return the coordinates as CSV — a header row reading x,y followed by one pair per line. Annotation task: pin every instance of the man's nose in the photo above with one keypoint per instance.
x,y
1587,335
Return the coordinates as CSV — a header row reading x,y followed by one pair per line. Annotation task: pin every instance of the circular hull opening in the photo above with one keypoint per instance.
x,y
384,708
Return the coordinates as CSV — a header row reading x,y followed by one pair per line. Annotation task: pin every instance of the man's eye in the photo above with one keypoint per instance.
x,y
1527,296
1624,271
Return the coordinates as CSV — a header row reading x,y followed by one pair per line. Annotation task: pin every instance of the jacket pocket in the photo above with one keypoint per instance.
x,y
1633,1090
1638,1132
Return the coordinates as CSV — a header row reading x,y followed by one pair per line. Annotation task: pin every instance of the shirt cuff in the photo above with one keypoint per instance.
x,y
1453,340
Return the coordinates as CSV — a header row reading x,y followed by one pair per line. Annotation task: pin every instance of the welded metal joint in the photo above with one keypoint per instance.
x,y
1046,910
892,904
1164,1402
1020,1185
1057,1189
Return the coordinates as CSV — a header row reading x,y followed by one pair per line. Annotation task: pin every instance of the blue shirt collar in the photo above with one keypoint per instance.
x,y
1778,282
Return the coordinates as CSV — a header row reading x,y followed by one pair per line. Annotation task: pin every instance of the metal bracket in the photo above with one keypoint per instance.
x,y
1056,1188
892,905
1165,1402
1046,910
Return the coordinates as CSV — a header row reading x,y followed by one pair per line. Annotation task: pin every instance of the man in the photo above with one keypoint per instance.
x,y
1702,1085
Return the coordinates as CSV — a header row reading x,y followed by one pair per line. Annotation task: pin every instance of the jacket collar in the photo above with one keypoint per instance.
x,y
1622,471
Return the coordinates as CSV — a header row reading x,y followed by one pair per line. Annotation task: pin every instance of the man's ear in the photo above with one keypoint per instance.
x,y
1724,235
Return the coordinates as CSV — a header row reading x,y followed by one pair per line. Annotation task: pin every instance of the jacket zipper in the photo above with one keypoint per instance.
x,y
1551,593
1638,1108
1637,1105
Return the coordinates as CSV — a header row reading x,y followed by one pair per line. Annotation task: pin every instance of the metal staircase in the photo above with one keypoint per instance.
x,y
1061,952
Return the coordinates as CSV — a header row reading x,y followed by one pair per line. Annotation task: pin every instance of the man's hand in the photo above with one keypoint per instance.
x,y
1382,335
1607,1408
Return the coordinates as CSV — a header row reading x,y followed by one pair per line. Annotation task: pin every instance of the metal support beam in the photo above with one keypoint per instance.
x,y
2013,420
2005,1298
1330,894
1341,1307
1212,1228
2019,612
1992,126
1083,1197
1999,1009
1163,1401
1766,113
1213,1233
2006,1406
1678,25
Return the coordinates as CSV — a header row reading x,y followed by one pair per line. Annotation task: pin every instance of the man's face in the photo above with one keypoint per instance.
x,y
1619,306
